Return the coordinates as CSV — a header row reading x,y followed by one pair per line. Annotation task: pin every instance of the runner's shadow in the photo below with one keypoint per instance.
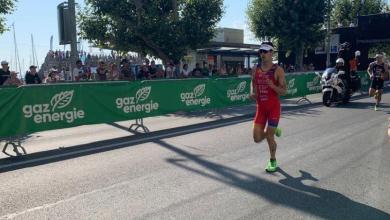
x,y
290,192
332,204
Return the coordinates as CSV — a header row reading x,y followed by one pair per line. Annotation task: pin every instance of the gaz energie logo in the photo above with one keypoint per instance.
x,y
138,103
238,94
196,97
290,87
54,111
315,84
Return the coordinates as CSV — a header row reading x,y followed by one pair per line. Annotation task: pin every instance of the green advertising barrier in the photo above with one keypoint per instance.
x,y
365,79
302,84
30,109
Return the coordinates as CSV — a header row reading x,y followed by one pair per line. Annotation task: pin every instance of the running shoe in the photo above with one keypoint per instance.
x,y
278,132
271,166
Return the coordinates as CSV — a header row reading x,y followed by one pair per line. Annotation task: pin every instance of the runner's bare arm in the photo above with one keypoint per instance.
x,y
369,70
253,89
280,77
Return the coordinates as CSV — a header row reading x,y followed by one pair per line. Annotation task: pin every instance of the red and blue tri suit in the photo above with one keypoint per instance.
x,y
267,103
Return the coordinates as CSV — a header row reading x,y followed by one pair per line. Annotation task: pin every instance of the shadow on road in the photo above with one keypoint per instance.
x,y
290,192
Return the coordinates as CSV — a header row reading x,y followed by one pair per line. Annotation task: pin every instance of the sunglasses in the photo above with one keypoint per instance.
x,y
264,51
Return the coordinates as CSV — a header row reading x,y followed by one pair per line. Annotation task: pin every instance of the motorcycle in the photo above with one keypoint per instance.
x,y
335,87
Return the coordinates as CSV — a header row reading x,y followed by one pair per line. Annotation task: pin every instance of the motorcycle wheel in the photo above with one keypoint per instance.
x,y
326,99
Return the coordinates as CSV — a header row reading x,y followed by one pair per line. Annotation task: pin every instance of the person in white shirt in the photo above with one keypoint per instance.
x,y
78,72
185,73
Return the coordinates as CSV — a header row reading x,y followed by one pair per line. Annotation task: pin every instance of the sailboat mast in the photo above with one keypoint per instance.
x,y
17,61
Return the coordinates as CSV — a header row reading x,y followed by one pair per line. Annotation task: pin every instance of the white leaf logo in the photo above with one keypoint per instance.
x,y
316,80
199,90
291,83
143,94
61,100
241,87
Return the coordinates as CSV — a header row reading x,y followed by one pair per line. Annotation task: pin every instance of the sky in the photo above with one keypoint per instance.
x,y
39,18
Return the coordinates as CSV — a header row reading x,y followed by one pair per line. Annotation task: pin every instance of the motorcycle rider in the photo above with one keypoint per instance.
x,y
346,54
340,65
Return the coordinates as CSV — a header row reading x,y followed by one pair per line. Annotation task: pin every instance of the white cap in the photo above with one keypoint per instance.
x,y
4,62
266,47
340,60
357,53
378,55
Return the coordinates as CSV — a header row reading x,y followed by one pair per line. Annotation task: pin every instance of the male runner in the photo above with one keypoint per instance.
x,y
377,70
268,83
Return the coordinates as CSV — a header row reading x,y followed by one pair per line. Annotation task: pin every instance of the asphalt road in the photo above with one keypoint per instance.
x,y
334,164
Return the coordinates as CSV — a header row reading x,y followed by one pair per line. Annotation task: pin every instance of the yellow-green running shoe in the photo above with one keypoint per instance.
x,y
271,166
278,132
376,107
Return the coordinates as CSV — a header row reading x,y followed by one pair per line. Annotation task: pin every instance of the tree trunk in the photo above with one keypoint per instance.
x,y
299,58
160,53
175,9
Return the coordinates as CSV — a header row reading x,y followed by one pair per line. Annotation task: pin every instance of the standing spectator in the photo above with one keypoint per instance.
x,y
153,69
114,72
4,72
79,72
160,72
354,63
126,71
13,80
197,71
101,71
185,73
222,71
143,73
169,71
32,76
205,70
177,71
214,71
53,76
240,69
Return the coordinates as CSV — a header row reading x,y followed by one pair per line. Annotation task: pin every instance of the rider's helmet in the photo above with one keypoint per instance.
x,y
340,61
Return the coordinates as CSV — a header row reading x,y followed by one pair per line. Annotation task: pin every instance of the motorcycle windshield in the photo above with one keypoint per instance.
x,y
328,73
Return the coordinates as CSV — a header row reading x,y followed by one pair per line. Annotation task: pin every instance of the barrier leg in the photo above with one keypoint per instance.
x,y
16,145
216,112
139,124
303,99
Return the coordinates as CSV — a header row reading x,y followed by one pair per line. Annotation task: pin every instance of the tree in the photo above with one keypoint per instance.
x,y
166,29
295,24
345,12
6,7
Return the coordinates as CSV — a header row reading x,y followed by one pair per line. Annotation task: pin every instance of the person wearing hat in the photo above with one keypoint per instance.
x,y
13,80
53,75
32,76
4,72
268,83
377,71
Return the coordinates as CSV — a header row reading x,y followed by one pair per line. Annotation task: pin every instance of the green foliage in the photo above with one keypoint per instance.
x,y
6,7
295,24
166,29
346,11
